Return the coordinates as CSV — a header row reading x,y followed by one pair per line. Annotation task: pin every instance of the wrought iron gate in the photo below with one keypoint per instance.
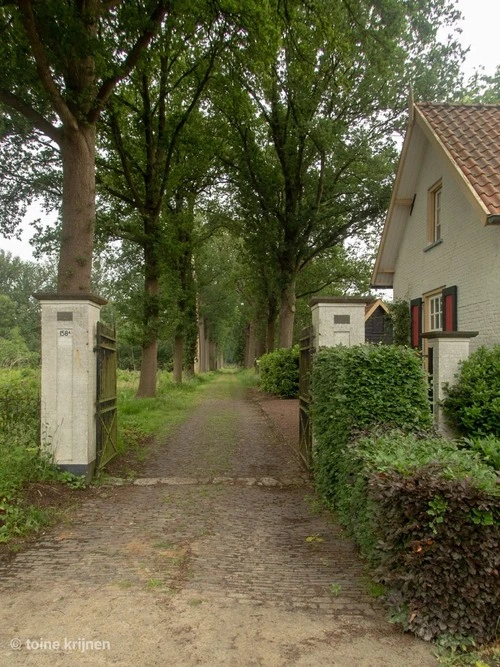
x,y
305,365
106,411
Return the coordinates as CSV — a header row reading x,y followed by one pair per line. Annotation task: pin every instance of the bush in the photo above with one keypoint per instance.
x,y
488,448
399,314
473,404
19,399
279,372
427,515
357,387
20,457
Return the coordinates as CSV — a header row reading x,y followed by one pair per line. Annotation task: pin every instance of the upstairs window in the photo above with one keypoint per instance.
x,y
434,213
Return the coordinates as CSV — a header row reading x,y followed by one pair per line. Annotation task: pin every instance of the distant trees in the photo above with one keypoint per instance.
x,y
19,311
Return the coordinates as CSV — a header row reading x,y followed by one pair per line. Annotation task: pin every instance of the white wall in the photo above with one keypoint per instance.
x,y
468,257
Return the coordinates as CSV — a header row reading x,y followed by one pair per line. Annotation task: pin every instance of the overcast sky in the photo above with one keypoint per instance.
x,y
480,31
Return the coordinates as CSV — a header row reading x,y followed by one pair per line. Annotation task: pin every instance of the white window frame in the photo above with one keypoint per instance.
x,y
435,312
434,212
437,214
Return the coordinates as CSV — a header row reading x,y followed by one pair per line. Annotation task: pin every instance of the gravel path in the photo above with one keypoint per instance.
x,y
218,555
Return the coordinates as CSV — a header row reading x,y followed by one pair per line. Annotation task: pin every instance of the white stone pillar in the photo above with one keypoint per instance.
x,y
338,321
68,391
446,350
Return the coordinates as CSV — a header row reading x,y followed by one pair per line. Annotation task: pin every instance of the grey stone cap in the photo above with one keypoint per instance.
x,y
450,334
341,299
70,296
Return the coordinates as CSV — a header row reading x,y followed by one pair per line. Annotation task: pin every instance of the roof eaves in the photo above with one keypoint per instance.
x,y
394,196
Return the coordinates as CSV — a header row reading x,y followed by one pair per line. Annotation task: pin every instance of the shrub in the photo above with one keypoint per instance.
x,y
473,404
399,314
488,448
357,387
427,515
19,398
279,372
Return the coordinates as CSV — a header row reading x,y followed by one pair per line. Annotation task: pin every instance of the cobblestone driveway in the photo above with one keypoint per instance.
x,y
218,555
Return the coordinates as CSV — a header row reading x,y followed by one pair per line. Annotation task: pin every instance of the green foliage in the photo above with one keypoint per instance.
x,y
140,417
427,516
472,405
399,313
20,458
248,377
19,399
488,448
279,372
14,351
306,119
357,387
19,311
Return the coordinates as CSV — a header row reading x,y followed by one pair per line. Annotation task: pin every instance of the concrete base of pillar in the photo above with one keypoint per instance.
x,y
80,470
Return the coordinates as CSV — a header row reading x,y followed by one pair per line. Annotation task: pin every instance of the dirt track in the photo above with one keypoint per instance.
x,y
218,555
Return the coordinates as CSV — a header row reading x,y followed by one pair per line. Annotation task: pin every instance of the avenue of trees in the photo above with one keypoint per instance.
x,y
215,161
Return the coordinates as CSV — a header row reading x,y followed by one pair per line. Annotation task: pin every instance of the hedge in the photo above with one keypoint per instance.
x,y
473,402
424,511
427,516
356,387
279,372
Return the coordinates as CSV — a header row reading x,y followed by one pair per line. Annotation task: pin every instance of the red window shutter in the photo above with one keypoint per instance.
x,y
450,309
416,322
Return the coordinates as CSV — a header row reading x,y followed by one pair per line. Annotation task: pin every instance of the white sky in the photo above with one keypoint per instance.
x,y
480,30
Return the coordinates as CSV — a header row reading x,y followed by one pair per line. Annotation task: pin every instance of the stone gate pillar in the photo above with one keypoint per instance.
x,y
68,390
338,321
446,349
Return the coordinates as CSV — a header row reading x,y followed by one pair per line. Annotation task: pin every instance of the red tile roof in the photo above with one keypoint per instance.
x,y
471,134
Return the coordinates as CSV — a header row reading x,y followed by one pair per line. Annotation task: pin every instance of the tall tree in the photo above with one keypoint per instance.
x,y
60,65
138,165
309,120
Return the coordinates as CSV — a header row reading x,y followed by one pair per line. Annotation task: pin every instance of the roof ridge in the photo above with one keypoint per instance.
x,y
468,105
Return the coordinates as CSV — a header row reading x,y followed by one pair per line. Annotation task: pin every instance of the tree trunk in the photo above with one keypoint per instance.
x,y
178,358
250,346
149,364
270,334
287,315
272,313
260,347
212,356
151,322
78,210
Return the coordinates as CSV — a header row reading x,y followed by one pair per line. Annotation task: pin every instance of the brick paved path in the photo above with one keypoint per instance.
x,y
224,523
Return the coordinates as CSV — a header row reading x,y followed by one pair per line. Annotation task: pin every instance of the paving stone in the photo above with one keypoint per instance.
x,y
223,517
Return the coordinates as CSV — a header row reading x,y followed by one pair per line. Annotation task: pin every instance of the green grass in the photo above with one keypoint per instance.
x,y
139,418
249,377
20,458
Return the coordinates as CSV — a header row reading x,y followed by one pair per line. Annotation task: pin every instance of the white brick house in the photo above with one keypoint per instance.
x,y
440,248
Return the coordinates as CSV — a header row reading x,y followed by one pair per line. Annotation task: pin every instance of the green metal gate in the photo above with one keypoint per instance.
x,y
106,410
305,366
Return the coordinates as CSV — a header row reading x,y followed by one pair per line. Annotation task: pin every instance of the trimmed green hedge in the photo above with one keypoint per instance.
x,y
427,516
357,387
424,511
279,372
473,403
